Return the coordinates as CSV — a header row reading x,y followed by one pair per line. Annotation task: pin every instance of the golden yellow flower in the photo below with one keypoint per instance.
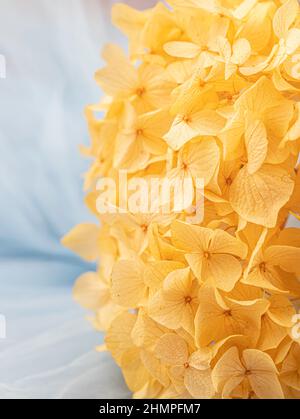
x,y
198,306
213,255
218,317
253,366
190,371
174,306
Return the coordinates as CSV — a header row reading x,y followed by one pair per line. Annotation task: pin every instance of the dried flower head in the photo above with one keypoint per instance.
x,y
199,308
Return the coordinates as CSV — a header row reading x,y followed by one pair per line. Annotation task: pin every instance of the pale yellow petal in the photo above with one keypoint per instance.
x,y
287,257
207,122
118,338
266,386
128,287
262,374
259,197
200,159
199,383
182,49
90,291
134,371
156,272
146,331
84,240
258,361
223,271
200,359
196,262
256,144
228,366
271,334
292,40
119,78
178,281
172,349
241,51
180,133
284,17
290,368
223,242
155,367
281,310
258,27
189,237
168,312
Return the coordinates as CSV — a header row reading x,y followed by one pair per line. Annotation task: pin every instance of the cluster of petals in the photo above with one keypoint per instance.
x,y
208,89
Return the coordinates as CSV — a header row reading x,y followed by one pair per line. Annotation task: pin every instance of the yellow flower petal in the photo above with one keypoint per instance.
x,y
189,237
172,349
259,197
118,339
284,17
263,374
271,334
90,291
290,368
223,271
128,287
256,144
119,78
241,51
287,257
228,366
84,240
281,310
146,331
155,367
156,272
199,383
186,127
223,242
200,159
134,371
182,49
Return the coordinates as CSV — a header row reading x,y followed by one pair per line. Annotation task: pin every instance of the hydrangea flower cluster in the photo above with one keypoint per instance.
x,y
205,309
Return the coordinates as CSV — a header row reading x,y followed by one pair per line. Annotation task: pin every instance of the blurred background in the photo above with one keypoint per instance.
x,y
51,49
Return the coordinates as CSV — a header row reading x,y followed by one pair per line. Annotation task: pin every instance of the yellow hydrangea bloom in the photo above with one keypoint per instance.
x,y
198,307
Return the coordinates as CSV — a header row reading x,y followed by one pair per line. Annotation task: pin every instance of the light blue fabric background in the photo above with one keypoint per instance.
x,y
52,49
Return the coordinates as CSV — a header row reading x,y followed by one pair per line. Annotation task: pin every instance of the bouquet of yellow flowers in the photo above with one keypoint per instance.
x,y
194,177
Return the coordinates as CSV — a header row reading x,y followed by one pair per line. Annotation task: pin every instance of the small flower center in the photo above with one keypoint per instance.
x,y
188,299
224,95
144,227
184,166
206,255
247,372
202,83
227,313
186,365
186,119
139,131
262,266
140,91
228,181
